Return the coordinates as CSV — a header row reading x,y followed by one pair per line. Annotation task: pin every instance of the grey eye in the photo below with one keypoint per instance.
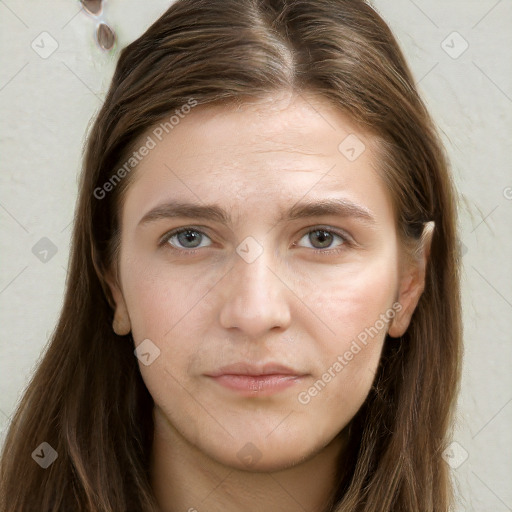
x,y
322,238
187,238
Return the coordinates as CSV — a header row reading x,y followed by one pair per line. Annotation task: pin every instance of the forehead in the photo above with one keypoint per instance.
x,y
280,149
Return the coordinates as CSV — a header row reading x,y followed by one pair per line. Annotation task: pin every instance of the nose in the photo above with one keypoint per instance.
x,y
255,301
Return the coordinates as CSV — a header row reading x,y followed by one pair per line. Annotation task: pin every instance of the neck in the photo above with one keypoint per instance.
x,y
185,479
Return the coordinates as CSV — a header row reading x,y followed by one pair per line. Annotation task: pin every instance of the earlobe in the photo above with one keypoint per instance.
x,y
121,323
412,284
409,295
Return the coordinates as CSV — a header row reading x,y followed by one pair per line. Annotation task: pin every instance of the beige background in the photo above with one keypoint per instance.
x,y
466,80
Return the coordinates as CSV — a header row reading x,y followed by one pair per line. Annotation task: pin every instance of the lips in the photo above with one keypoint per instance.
x,y
252,380
255,370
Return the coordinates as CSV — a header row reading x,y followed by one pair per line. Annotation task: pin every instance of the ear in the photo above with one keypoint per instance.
x,y
412,283
121,323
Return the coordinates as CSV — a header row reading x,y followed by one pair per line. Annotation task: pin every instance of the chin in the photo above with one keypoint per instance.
x,y
267,463
262,456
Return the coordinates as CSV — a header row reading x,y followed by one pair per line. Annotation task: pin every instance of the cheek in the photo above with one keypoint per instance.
x,y
159,296
169,307
353,312
347,299
344,334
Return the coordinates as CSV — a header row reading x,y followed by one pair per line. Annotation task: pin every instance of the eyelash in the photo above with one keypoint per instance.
x,y
347,242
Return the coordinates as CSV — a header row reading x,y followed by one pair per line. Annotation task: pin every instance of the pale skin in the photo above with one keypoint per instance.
x,y
301,302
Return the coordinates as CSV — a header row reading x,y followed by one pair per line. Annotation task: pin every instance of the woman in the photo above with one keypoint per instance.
x,y
303,353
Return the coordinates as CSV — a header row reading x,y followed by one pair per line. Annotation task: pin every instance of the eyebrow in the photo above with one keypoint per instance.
x,y
333,206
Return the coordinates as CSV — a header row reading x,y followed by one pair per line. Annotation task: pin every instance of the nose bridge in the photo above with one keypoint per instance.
x,y
256,300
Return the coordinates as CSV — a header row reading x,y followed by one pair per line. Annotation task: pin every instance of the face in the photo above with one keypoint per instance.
x,y
262,318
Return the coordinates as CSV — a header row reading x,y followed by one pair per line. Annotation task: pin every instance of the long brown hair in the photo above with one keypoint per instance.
x,y
87,399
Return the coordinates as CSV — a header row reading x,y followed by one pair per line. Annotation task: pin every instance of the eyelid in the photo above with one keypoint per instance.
x,y
348,240
165,238
337,231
